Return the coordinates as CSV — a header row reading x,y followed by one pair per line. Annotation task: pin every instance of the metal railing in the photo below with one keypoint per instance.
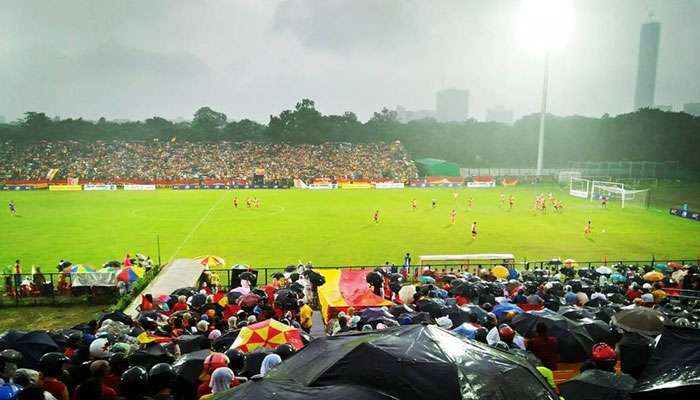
x,y
50,289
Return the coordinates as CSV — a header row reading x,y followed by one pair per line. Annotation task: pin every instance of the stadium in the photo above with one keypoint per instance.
x,y
314,254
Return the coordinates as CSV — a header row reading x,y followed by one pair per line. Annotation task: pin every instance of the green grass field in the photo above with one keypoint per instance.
x,y
328,227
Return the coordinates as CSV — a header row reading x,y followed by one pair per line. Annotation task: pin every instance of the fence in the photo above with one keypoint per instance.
x,y
265,274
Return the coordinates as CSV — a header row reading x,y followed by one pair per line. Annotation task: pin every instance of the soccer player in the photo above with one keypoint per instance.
x,y
235,201
503,200
604,202
375,217
414,205
511,200
455,196
13,208
558,206
434,203
587,229
453,215
474,231
256,201
470,203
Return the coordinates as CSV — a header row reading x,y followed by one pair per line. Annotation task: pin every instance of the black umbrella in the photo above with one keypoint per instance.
x,y
233,297
151,355
599,330
602,313
247,275
186,291
673,371
286,299
414,361
397,310
32,345
190,366
595,384
617,298
575,342
198,299
598,302
117,316
432,307
291,390
458,315
224,342
192,343
253,361
642,320
574,312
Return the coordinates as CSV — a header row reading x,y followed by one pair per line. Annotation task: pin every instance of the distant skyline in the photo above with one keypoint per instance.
x,y
133,60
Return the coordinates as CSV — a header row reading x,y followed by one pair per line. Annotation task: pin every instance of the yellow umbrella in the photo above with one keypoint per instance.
x,y
500,272
210,261
653,276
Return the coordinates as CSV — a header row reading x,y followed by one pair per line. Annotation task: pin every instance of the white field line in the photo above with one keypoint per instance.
x,y
201,221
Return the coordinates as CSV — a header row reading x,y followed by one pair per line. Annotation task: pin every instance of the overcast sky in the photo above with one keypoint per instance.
x,y
250,59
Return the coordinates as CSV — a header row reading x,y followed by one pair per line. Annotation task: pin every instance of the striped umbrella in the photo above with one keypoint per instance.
x,y
130,274
79,269
210,261
109,269
267,334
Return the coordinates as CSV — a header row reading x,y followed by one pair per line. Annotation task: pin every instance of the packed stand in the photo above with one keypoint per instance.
x,y
157,160
496,333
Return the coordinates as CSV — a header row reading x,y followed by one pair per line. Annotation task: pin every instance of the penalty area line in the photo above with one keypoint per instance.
x,y
201,221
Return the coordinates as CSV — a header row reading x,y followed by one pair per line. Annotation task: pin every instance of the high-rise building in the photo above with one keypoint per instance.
x,y
646,64
692,109
452,105
499,114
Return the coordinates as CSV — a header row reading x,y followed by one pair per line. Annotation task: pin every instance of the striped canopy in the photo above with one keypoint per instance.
x,y
267,334
79,269
210,261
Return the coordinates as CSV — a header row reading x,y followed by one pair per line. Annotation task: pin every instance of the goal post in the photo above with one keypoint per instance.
x,y
579,187
614,192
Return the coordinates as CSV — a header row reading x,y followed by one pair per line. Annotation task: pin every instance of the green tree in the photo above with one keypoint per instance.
x,y
208,122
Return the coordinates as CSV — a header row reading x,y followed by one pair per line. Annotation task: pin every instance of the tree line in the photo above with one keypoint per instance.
x,y
644,135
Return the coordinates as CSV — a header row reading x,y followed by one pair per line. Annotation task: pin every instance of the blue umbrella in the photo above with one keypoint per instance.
x,y
513,274
503,308
617,277
426,280
466,330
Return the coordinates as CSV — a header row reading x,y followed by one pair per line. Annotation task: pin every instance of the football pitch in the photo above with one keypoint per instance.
x,y
329,228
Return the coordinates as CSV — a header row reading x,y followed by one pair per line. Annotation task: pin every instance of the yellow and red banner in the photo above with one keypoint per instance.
x,y
345,288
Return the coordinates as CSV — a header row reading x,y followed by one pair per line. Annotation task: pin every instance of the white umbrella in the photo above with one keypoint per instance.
x,y
603,270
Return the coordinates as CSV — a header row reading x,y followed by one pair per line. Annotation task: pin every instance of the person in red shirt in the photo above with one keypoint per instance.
x,y
94,387
127,260
633,292
546,348
181,304
51,367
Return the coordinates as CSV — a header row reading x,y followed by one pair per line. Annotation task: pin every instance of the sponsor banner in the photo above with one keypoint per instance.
x,y
419,184
389,185
139,187
100,187
16,187
322,186
356,185
481,184
65,188
685,213
235,186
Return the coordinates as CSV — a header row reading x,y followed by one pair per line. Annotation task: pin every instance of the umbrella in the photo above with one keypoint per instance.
x,y
269,334
500,272
617,277
130,274
481,315
291,390
406,294
575,342
503,308
432,307
409,362
466,330
570,263
198,299
186,291
248,300
32,345
604,270
400,309
663,268
374,313
594,384
150,355
575,312
679,275
599,330
110,269
192,343
642,320
653,276
79,269
210,261
224,342
190,366
253,361
117,316
426,279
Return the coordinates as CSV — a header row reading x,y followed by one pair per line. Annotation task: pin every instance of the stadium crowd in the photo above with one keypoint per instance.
x,y
118,160
193,343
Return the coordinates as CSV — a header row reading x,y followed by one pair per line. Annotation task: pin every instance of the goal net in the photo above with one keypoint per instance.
x,y
614,192
579,187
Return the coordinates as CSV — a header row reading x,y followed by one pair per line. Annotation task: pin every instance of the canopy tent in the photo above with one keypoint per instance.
x,y
436,167
346,288
414,361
